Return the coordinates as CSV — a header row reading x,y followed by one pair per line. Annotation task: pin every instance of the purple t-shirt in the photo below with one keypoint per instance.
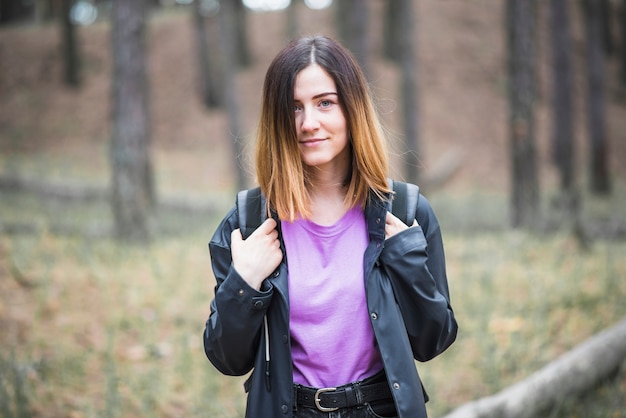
x,y
332,340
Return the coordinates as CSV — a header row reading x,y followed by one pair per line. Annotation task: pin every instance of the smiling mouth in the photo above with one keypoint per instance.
x,y
312,141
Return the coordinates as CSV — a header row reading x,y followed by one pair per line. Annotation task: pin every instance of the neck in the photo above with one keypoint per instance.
x,y
327,191
327,201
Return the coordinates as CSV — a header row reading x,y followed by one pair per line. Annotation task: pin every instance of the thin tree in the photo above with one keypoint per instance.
x,y
392,31
44,11
606,9
599,182
623,45
353,24
244,56
520,23
71,59
210,88
409,88
132,178
563,149
227,43
292,20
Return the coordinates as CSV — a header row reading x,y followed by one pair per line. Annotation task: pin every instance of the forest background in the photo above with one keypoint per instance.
x,y
90,326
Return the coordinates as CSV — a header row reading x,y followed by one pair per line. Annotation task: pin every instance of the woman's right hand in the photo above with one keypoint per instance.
x,y
258,256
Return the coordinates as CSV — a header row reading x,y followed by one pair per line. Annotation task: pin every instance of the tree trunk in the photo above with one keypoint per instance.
x,y
71,59
132,178
572,375
521,61
352,22
227,42
44,11
14,11
563,149
562,141
623,45
209,87
599,171
392,31
409,89
607,27
292,20
244,57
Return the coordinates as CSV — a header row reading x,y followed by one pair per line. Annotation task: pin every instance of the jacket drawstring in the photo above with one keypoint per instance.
x,y
267,354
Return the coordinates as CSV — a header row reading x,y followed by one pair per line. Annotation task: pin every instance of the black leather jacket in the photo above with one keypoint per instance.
x,y
407,296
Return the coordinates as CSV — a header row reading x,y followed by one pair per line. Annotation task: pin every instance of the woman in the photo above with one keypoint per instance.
x,y
330,299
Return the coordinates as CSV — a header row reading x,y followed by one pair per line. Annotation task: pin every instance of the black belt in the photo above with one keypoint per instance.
x,y
331,399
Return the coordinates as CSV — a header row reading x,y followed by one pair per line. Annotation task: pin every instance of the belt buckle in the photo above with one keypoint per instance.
x,y
318,400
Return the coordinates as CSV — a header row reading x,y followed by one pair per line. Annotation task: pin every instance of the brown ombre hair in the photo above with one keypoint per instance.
x,y
280,171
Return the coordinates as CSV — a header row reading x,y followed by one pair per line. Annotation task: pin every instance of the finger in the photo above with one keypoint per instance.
x,y
267,226
273,235
235,236
391,219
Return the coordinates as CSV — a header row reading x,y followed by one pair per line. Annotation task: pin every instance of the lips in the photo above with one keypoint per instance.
x,y
312,141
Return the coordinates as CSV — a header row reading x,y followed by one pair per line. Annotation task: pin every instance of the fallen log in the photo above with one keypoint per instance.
x,y
571,375
74,192
67,190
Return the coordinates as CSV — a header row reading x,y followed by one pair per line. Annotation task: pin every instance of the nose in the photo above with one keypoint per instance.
x,y
308,121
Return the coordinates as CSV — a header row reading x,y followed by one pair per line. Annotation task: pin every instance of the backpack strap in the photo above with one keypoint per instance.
x,y
250,204
404,200
252,213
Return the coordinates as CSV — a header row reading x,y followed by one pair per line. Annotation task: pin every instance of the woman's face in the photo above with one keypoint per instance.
x,y
321,127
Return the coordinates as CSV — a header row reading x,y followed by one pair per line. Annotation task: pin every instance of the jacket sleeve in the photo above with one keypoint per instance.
x,y
414,260
232,332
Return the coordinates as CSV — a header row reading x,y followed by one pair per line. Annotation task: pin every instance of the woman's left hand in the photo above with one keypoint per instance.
x,y
393,225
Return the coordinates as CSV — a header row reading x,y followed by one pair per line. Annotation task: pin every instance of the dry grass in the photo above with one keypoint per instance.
x,y
90,327
522,301
110,330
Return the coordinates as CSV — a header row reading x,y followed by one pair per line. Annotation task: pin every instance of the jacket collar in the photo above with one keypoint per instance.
x,y
375,214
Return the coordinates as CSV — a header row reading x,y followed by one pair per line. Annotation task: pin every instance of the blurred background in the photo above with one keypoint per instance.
x,y
127,126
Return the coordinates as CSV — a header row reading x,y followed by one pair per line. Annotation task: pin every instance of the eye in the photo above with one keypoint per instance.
x,y
325,103
297,108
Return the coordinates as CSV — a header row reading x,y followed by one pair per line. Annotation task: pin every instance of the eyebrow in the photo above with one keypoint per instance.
x,y
317,96
329,93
